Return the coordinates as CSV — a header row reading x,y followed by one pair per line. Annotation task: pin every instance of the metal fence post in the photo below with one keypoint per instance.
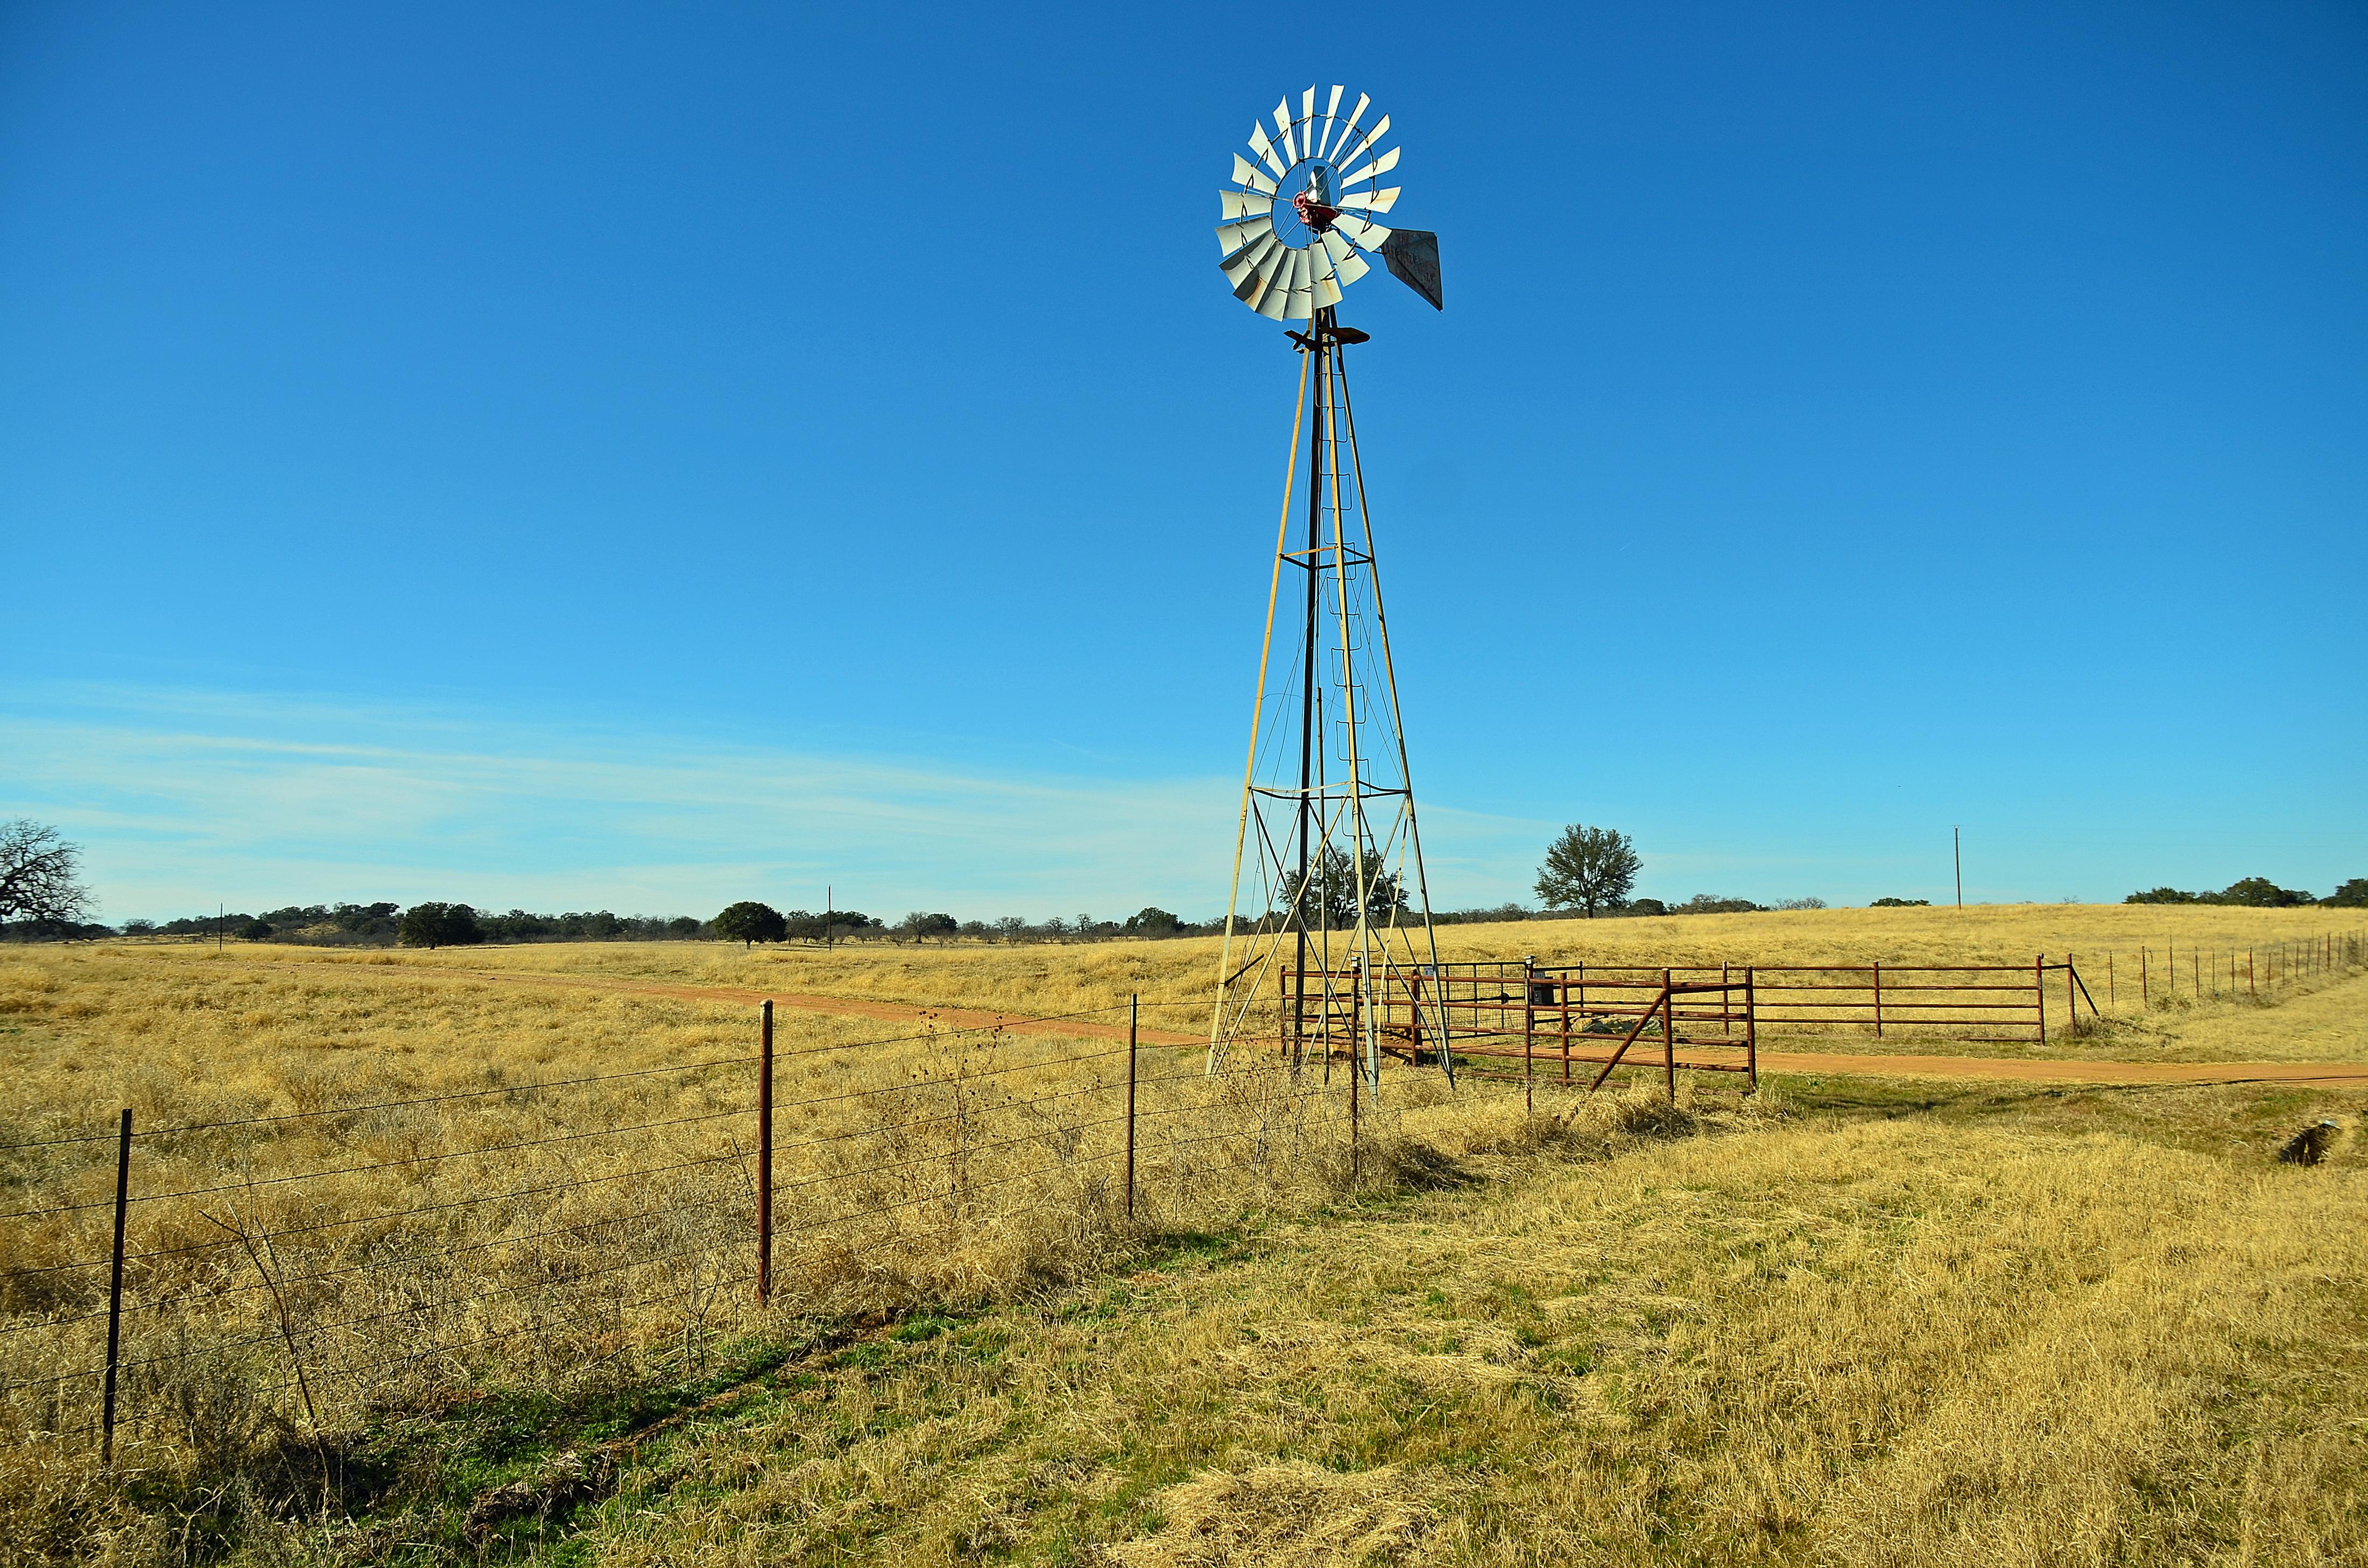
x,y
1669,1038
1356,1071
115,1292
1133,1002
1751,1029
1529,1035
765,1156
1878,998
2039,992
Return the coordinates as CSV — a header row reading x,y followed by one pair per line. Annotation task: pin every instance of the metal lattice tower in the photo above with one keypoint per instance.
x,y
1329,905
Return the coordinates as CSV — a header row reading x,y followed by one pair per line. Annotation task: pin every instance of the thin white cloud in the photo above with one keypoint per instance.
x,y
182,800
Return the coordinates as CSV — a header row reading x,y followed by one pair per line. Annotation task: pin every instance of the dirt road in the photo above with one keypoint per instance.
x,y
1098,1026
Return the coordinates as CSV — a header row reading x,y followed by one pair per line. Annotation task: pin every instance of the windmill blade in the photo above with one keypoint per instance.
x,y
1253,278
1232,236
1243,203
1247,173
1412,256
1331,119
1363,234
1375,169
1264,150
1349,152
1374,201
1255,282
1303,281
1325,289
1349,131
1307,123
1347,265
1270,301
1282,129
1248,269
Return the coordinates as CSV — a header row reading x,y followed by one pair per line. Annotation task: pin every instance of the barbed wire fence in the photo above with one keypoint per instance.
x,y
204,1286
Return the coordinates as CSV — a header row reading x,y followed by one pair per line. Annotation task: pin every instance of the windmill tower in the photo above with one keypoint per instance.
x,y
1328,928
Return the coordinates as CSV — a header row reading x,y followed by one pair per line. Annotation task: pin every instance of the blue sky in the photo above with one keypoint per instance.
x,y
645,457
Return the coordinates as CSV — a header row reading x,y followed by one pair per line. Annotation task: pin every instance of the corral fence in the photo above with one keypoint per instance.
x,y
1566,1018
211,1285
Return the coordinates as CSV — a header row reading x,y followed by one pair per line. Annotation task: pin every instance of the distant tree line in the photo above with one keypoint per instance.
x,y
2260,892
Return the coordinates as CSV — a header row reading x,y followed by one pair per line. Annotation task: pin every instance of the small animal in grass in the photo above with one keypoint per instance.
x,y
2310,1145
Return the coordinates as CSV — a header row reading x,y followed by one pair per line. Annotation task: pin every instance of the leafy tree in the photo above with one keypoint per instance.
x,y
2352,894
1592,867
682,926
256,931
1901,904
440,926
2259,892
1152,922
1330,902
1711,904
749,923
1646,906
140,928
2160,895
40,875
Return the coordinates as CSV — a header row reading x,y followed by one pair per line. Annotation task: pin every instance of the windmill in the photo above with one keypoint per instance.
x,y
1327,926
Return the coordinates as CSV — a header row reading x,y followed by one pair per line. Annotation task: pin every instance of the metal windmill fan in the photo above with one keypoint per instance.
x,y
1299,221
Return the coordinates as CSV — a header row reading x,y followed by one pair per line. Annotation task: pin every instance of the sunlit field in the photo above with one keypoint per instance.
x,y
509,1307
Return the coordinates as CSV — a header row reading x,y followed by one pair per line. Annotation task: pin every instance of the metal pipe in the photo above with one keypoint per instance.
x,y
114,1291
1134,1007
765,1152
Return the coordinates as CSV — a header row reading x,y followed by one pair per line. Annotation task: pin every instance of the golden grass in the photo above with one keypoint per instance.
x,y
2181,1025
1795,1339
1905,1343
430,1209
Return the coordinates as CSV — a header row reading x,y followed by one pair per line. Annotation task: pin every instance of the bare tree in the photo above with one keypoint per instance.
x,y
39,875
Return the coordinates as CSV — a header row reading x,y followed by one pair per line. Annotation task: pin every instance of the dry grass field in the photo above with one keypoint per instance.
x,y
1852,1321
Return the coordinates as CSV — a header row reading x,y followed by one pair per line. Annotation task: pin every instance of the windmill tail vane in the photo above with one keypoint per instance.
x,y
1330,905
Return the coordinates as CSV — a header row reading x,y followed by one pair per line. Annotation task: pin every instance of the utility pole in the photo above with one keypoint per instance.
x,y
1957,853
829,896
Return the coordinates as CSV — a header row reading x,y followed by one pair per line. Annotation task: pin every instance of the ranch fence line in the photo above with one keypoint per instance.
x,y
1491,1009
323,1304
